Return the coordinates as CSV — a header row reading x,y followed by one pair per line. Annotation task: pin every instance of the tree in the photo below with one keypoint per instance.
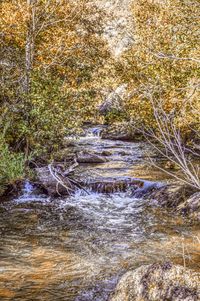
x,y
162,70
163,62
52,58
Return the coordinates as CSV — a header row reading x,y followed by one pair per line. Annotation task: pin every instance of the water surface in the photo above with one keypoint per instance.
x,y
76,248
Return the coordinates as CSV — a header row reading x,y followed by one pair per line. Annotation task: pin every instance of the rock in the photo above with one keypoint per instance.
x,y
182,198
191,207
54,185
115,184
86,157
171,195
106,153
114,101
146,189
121,131
123,153
158,282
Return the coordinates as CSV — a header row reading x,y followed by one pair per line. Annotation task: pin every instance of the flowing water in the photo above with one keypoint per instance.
x,y
76,248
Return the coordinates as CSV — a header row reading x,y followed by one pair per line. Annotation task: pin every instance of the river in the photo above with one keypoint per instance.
x,y
76,248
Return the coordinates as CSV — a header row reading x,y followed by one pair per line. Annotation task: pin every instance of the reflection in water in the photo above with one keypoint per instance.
x,y
76,248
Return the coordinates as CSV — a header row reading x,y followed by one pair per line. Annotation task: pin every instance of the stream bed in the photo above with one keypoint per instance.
x,y
76,248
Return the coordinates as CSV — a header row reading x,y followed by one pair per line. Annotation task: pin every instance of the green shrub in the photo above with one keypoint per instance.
x,y
12,166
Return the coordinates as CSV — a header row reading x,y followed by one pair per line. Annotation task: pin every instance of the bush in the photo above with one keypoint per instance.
x,y
12,166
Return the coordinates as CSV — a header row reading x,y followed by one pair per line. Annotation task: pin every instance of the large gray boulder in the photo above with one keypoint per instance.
x,y
183,199
158,282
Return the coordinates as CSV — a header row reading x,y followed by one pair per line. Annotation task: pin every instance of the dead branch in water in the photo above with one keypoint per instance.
x,y
60,180
64,178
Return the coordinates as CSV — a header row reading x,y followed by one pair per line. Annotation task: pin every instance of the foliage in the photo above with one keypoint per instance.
x,y
55,66
116,116
163,63
162,69
52,63
12,165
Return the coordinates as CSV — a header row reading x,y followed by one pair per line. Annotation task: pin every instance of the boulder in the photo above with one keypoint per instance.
x,y
191,207
54,183
148,188
158,282
171,195
183,199
86,157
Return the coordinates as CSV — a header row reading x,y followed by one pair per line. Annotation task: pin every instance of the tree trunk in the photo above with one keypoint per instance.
x,y
29,49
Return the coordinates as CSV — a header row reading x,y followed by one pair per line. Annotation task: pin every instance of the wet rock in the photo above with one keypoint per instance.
x,y
158,282
11,190
182,198
147,188
191,207
111,185
106,153
121,131
54,184
123,153
171,195
86,157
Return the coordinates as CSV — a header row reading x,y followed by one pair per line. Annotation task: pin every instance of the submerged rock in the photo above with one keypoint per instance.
x,y
106,153
158,282
86,157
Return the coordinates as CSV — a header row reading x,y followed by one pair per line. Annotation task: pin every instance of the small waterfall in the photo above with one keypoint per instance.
x,y
94,132
28,188
112,185
31,193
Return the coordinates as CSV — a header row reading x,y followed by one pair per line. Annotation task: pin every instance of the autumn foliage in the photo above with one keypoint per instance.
x,y
163,64
52,59
55,65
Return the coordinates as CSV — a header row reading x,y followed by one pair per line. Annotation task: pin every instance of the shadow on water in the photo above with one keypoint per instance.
x,y
76,248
